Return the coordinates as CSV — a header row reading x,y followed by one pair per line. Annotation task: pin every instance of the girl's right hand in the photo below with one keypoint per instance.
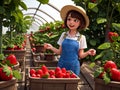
x,y
47,46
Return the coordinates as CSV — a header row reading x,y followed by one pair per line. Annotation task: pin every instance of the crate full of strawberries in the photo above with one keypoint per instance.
x,y
52,78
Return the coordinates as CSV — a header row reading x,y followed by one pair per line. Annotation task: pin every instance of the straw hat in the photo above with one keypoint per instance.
x,y
67,8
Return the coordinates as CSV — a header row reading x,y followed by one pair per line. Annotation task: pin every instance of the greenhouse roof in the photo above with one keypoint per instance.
x,y
43,13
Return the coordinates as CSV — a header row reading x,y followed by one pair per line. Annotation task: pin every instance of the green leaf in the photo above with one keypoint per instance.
x,y
99,56
98,71
106,78
2,57
116,26
101,20
2,10
104,46
92,65
7,70
7,1
43,1
93,42
23,5
93,7
17,74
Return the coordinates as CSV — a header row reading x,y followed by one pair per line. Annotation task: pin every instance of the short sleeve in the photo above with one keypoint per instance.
x,y
61,39
83,43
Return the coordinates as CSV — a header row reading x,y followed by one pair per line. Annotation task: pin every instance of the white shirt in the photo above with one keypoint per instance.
x,y
82,42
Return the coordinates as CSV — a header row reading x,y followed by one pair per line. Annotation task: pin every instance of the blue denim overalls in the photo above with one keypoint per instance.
x,y
69,56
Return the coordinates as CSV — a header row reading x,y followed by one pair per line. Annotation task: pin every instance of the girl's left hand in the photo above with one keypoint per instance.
x,y
92,52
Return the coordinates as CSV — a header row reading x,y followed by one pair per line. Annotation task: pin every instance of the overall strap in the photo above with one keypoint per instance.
x,y
65,34
79,37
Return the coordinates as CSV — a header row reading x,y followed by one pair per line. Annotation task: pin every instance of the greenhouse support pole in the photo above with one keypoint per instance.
x,y
0,35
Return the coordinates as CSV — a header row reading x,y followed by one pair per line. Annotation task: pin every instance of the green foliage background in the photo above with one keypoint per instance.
x,y
104,17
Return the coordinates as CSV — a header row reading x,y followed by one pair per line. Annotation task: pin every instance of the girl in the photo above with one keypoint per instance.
x,y
72,43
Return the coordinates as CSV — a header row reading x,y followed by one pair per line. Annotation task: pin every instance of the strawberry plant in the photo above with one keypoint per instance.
x,y
108,72
110,50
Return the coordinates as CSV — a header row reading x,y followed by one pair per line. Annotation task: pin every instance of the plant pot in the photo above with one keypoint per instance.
x,y
100,85
39,59
8,85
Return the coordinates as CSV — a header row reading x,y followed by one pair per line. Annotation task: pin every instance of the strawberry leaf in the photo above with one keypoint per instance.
x,y
17,74
7,70
98,71
106,78
92,65
45,76
2,57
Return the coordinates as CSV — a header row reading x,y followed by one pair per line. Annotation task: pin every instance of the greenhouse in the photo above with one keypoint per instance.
x,y
60,45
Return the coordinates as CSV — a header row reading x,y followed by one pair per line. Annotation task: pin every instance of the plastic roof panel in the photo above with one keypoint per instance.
x,y
43,13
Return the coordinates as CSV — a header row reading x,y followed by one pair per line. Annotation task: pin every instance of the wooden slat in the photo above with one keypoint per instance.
x,y
88,75
84,87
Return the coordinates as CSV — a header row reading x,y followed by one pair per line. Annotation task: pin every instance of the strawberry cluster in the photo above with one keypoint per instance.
x,y
108,72
112,35
6,70
58,72
6,73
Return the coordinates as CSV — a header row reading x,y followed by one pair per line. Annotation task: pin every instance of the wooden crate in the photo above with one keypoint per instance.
x,y
39,48
8,85
53,83
100,85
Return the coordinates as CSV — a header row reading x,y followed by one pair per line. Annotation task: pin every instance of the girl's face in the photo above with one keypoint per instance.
x,y
72,23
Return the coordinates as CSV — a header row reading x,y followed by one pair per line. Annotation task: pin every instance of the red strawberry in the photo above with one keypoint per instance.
x,y
52,76
38,75
111,35
39,71
44,69
72,75
63,70
101,74
115,74
32,71
12,59
57,69
6,73
51,72
33,75
59,74
109,65
67,74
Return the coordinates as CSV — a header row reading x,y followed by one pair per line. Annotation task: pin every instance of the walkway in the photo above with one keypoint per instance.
x,y
86,77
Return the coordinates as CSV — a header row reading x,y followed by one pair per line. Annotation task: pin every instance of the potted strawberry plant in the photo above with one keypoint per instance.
x,y
8,74
107,76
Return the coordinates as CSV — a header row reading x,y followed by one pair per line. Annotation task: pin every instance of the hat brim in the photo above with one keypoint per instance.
x,y
67,8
